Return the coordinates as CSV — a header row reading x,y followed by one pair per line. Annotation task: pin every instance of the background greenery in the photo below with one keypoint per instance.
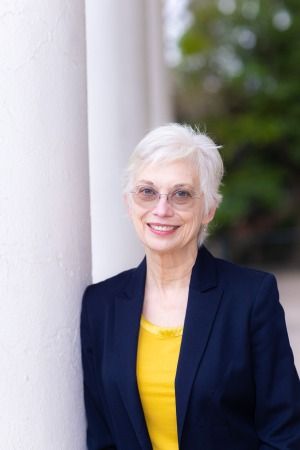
x,y
239,78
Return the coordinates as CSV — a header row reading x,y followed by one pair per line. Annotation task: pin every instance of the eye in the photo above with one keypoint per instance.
x,y
182,197
182,194
146,192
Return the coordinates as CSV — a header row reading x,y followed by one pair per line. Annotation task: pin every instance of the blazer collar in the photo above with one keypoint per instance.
x,y
203,301
129,306
204,273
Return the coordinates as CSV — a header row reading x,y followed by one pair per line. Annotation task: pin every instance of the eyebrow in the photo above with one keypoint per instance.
x,y
176,186
146,182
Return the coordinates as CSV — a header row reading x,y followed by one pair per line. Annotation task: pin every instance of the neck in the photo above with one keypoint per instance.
x,y
170,269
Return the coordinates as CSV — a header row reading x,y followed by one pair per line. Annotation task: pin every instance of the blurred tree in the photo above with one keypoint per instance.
x,y
239,78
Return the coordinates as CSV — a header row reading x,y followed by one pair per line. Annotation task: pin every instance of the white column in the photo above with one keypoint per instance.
x,y
123,104
159,83
44,223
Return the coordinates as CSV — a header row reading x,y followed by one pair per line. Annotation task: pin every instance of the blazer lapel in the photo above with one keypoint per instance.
x,y
203,302
128,313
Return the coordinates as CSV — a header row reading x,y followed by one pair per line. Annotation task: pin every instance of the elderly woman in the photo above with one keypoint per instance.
x,y
186,351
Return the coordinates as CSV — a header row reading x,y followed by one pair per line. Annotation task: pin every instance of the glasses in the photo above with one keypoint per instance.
x,y
148,197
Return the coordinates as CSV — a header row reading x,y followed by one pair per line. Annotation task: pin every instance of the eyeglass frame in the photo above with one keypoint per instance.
x,y
168,195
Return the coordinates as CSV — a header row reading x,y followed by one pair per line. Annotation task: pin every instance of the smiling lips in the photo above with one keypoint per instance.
x,y
161,229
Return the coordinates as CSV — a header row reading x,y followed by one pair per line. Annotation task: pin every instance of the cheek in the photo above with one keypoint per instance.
x,y
192,225
196,218
196,226
137,217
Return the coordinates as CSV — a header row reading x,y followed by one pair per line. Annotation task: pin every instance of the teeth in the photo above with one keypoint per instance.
x,y
162,227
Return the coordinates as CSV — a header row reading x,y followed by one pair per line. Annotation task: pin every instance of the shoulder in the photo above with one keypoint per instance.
x,y
239,280
252,285
112,284
100,295
248,295
228,271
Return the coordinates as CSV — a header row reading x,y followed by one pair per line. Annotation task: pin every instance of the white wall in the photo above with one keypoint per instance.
x,y
44,223
127,96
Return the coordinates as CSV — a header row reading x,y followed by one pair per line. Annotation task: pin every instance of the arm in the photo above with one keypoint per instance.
x,y
98,434
277,383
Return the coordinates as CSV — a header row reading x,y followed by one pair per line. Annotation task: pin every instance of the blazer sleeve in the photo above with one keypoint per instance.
x,y
277,415
98,434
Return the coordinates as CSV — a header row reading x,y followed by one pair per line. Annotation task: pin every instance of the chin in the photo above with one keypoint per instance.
x,y
161,247
161,251
169,246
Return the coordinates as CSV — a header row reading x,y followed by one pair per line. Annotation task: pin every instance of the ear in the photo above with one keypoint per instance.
x,y
209,216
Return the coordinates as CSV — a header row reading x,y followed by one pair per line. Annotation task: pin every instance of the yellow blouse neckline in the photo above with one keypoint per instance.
x,y
163,332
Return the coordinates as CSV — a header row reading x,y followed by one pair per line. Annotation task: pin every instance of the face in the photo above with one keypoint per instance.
x,y
164,227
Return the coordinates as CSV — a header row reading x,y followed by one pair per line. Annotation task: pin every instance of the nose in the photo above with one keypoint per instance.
x,y
163,207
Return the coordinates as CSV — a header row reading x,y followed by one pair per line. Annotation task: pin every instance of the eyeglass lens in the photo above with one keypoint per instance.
x,y
147,196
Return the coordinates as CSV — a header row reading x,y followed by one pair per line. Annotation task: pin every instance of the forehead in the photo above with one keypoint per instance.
x,y
169,173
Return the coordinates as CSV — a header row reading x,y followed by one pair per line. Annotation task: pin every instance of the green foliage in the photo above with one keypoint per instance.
x,y
239,78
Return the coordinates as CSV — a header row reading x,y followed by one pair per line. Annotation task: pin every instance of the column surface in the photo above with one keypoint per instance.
x,y
44,223
126,98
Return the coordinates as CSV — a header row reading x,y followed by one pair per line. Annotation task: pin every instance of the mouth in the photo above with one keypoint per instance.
x,y
162,229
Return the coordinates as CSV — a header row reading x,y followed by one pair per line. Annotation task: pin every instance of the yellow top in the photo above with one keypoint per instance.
x,y
157,357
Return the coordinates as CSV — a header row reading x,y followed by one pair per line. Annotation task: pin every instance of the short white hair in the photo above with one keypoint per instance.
x,y
173,142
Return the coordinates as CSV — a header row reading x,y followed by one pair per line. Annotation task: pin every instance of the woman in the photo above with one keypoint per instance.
x,y
185,351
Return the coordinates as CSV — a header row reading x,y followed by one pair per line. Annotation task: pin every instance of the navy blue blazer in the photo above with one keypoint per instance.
x,y
236,384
